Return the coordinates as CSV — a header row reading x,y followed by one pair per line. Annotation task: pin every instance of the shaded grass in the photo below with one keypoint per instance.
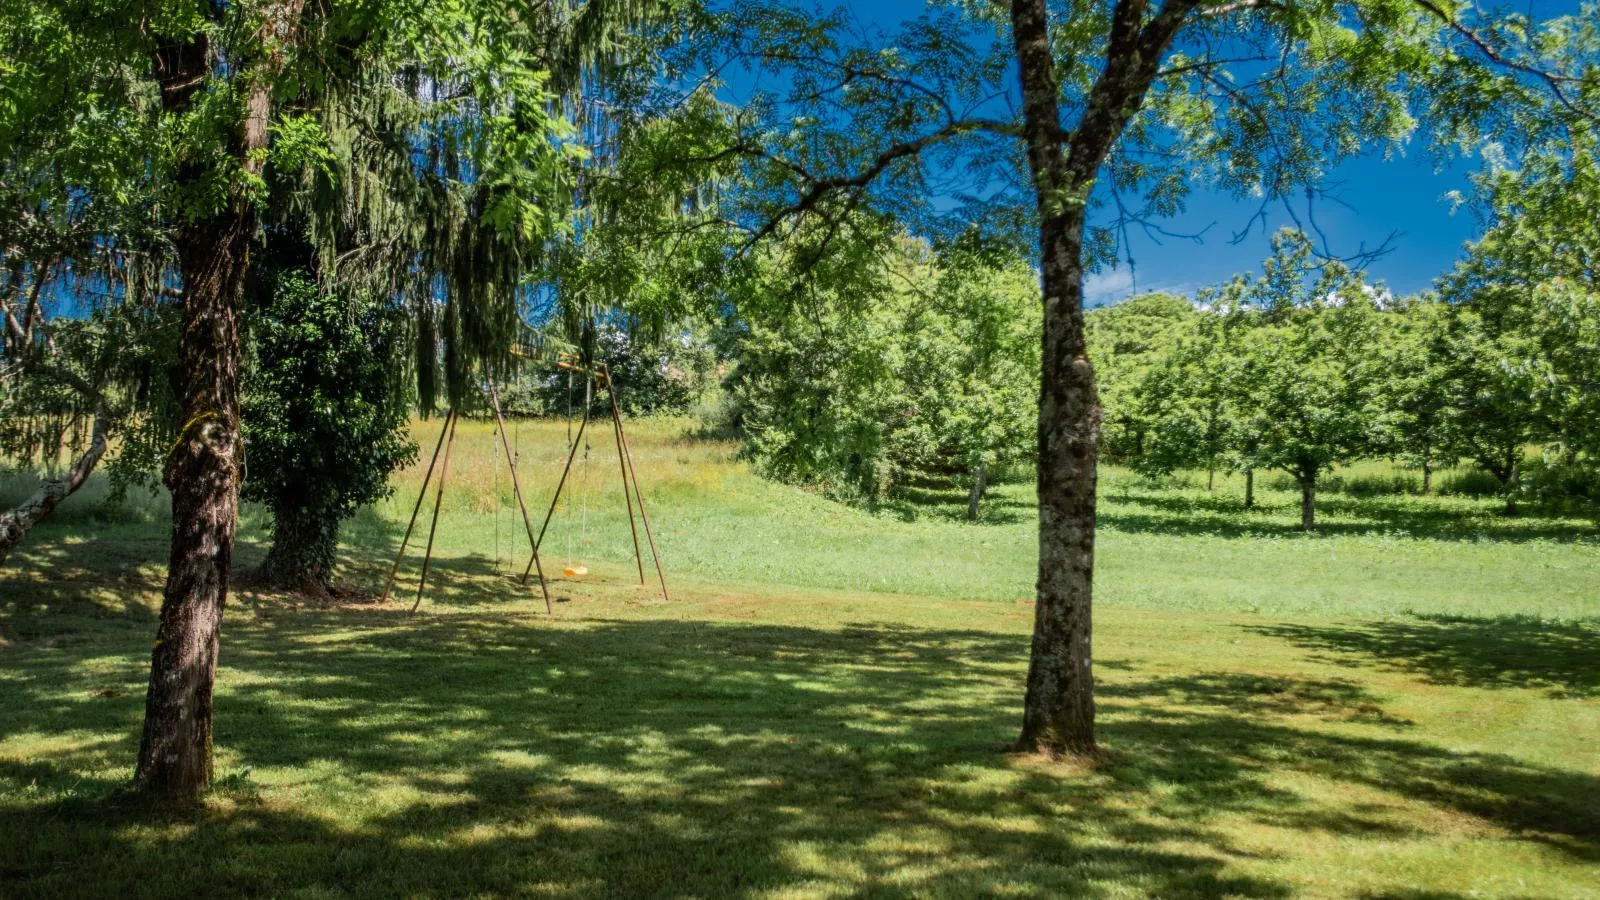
x,y
725,745
825,708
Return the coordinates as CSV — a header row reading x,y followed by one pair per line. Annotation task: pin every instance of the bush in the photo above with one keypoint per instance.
x,y
1570,484
1362,486
1474,483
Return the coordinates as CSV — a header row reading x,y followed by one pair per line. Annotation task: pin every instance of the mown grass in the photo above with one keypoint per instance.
x,y
1406,705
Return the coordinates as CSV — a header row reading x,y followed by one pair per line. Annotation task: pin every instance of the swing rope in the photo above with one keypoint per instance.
x,y
583,486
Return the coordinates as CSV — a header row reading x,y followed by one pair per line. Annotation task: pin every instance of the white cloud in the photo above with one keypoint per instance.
x,y
1108,286
1111,286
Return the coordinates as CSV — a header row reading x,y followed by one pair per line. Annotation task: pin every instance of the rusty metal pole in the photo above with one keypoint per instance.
x,y
438,501
516,487
654,554
622,463
421,493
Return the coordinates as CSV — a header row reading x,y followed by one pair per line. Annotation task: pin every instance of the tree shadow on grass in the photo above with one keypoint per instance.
x,y
1223,516
463,753
63,592
1561,658
945,501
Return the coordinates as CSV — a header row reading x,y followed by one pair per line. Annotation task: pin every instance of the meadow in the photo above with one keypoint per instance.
x,y
1404,705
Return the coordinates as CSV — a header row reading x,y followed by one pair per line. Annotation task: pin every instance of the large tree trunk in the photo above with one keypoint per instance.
x,y
16,522
202,474
1058,711
1058,715
302,553
202,471
980,477
1308,502
1249,488
1427,469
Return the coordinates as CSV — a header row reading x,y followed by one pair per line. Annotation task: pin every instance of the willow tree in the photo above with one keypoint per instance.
x,y
1124,104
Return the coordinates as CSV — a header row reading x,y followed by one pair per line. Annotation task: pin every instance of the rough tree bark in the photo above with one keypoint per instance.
x,y
1508,480
1308,502
1249,488
202,471
1058,712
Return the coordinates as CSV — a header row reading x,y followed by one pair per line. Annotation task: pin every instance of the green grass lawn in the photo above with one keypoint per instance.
x,y
1406,705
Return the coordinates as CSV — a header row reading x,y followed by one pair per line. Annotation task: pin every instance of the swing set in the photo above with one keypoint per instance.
x,y
573,567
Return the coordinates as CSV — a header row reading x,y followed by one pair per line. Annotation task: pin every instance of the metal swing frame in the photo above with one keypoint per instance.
x,y
449,429
631,494
630,490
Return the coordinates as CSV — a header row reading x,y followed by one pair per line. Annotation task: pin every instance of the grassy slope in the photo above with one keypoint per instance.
x,y
1408,706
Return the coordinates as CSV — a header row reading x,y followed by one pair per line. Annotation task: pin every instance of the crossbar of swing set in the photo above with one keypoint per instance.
x,y
602,374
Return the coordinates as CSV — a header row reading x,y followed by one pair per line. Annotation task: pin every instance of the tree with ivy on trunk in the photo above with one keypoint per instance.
x,y
325,410
1416,385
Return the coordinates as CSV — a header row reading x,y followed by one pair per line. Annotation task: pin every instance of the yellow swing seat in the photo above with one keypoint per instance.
x,y
575,571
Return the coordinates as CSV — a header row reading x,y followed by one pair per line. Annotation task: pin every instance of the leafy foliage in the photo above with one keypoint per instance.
x,y
324,417
1127,341
918,365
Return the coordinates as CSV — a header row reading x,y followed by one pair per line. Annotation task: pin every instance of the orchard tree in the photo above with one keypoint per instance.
x,y
1496,376
820,379
1190,400
907,362
973,362
1129,342
1416,384
1308,388
1522,356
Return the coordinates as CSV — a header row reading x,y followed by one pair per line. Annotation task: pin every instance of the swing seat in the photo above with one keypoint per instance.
x,y
575,571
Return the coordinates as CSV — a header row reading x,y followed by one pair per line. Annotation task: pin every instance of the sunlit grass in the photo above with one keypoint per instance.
x,y
1161,547
1406,705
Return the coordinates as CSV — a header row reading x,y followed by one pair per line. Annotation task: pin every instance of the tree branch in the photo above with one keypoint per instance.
x,y
1553,80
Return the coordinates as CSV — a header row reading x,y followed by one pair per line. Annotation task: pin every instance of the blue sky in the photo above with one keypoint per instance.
x,y
1404,196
